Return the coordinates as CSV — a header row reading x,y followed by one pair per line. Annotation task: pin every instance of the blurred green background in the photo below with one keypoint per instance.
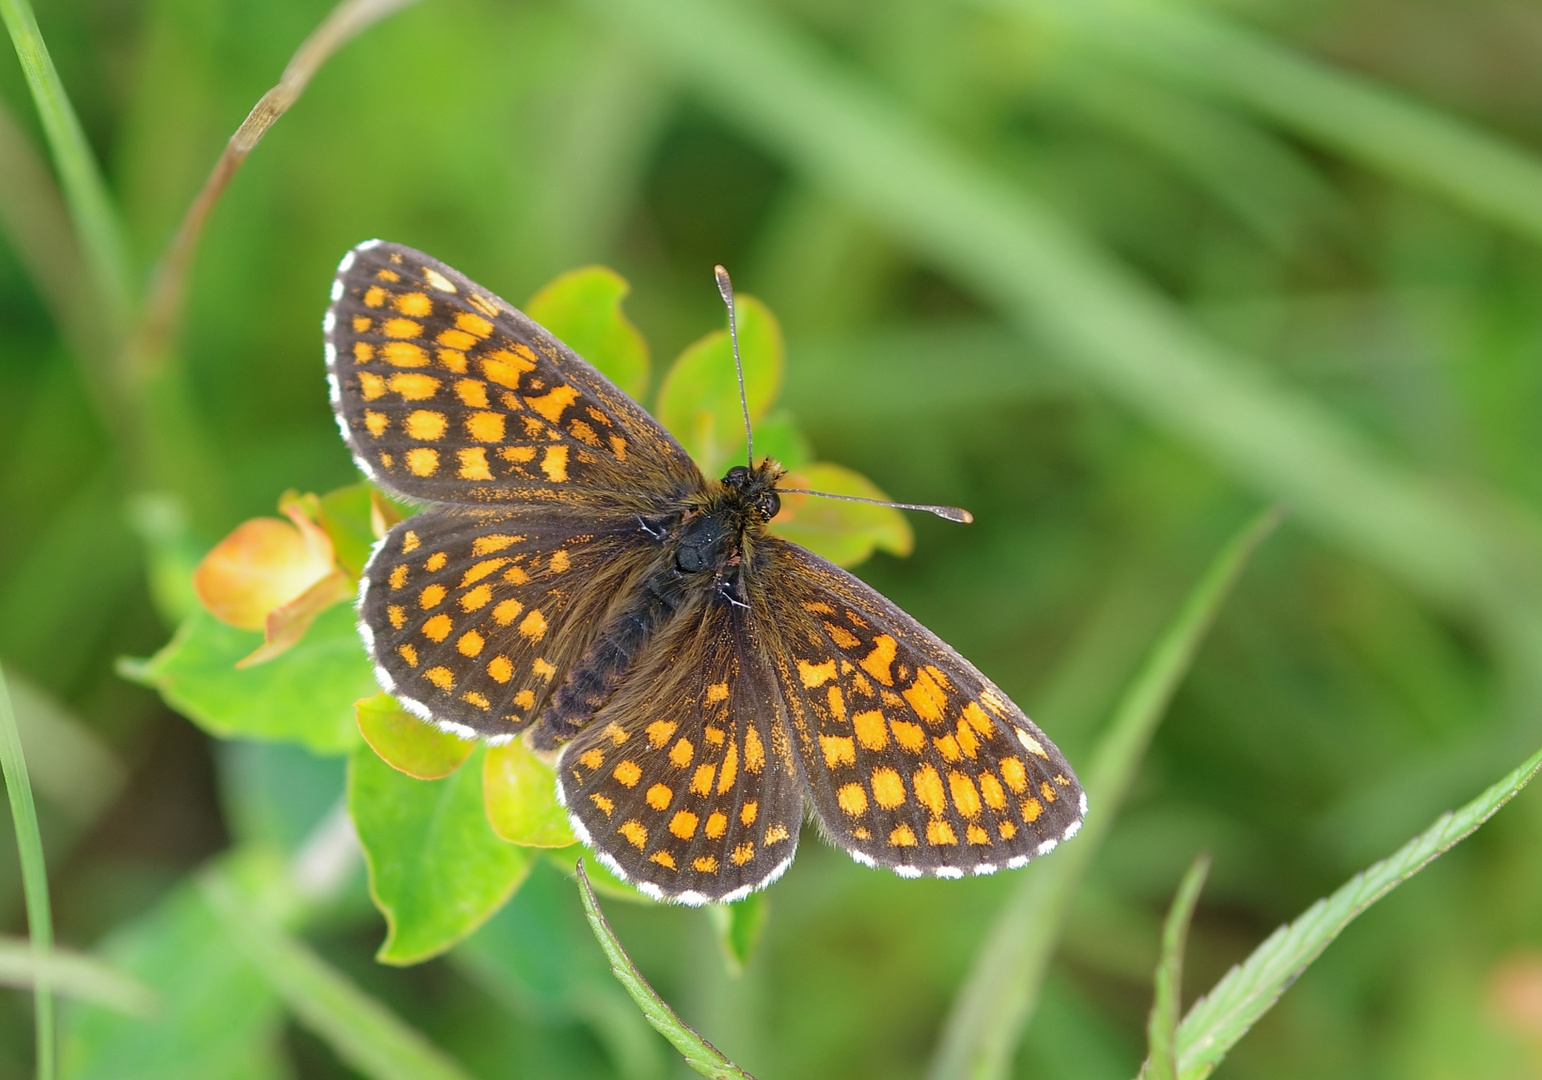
x,y
1110,275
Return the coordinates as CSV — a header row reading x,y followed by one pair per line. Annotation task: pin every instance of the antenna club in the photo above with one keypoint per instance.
x,y
725,285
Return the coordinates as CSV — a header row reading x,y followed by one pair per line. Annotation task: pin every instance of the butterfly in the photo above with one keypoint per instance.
x,y
574,579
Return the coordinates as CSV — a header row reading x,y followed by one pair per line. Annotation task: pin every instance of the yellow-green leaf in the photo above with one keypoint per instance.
x,y
699,401
583,309
406,743
843,532
521,795
437,870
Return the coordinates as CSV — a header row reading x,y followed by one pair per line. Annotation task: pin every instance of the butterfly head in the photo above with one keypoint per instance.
x,y
755,489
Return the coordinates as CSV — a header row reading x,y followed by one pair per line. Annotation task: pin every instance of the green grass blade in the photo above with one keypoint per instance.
x,y
34,876
363,1033
1002,988
1376,126
699,1054
85,192
1110,327
1224,1015
76,975
1167,1003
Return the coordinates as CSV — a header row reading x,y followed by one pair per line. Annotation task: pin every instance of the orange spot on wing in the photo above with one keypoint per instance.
x,y
888,788
659,796
627,773
908,735
553,404
966,800
871,730
928,787
926,697
878,662
1014,774
717,824
852,799
838,750
502,670
473,463
814,675
635,832
902,836
555,464
485,426
683,824
438,628
440,677
659,732
940,833
422,461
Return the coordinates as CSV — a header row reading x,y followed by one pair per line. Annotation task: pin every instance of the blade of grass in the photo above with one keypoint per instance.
x,y
363,1033
168,285
1167,1003
1001,991
1109,326
1224,1015
77,975
34,876
85,192
1372,124
36,221
698,1053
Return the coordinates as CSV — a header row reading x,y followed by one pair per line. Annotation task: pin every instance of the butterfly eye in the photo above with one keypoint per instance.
x,y
736,476
769,504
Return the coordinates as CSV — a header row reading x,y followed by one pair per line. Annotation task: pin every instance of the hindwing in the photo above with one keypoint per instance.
x,y
475,617
914,760
685,783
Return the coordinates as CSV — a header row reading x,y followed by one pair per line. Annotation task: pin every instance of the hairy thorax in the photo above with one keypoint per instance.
x,y
711,541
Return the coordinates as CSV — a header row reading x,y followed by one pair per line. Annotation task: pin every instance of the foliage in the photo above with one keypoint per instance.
x,y
1112,274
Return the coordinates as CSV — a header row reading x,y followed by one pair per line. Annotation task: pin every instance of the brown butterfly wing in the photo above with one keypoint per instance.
x,y
914,760
685,782
448,394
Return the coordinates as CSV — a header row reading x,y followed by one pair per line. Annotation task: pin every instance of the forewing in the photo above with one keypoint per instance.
x,y
914,760
685,783
445,392
475,617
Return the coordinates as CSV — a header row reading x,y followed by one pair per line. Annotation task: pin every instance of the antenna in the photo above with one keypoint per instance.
x,y
948,513
726,288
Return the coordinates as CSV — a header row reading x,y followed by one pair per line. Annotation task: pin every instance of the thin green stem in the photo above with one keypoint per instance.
x,y
34,877
698,1053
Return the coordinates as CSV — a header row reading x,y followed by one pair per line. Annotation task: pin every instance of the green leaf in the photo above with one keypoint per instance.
x,y
1001,991
34,880
699,1054
305,695
1167,1004
777,436
843,532
362,1032
739,926
215,1016
407,743
436,868
583,309
1224,1015
344,515
521,794
699,401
